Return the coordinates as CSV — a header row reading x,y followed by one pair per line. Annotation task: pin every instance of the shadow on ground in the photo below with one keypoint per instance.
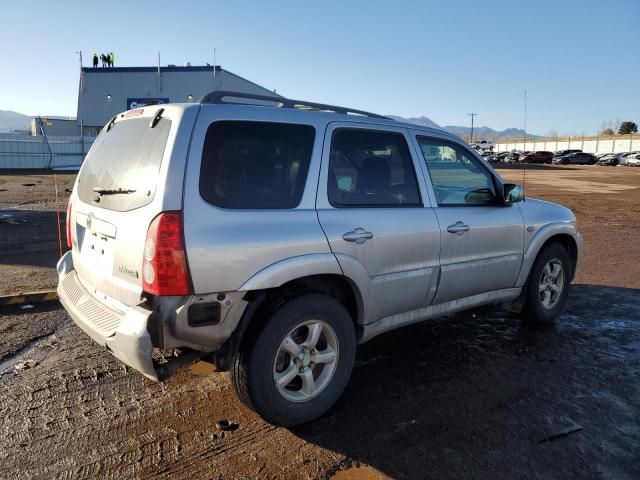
x,y
477,395
30,237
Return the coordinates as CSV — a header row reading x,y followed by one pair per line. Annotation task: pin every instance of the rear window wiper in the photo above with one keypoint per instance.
x,y
112,191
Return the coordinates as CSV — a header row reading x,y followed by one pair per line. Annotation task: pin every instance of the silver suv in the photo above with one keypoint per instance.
x,y
274,235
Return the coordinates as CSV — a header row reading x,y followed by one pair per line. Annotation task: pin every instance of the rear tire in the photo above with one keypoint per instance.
x,y
286,374
548,286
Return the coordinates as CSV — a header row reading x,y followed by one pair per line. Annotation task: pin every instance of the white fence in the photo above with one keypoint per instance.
x,y
26,151
627,143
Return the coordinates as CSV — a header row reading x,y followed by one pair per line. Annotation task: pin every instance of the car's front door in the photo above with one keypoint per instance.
x,y
482,240
377,218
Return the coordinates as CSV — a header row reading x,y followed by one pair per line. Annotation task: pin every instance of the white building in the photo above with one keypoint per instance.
x,y
105,92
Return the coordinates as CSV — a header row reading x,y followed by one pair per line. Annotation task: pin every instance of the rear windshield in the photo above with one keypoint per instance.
x,y
255,165
127,159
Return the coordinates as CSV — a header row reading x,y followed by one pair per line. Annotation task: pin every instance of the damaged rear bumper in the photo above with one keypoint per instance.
x,y
123,332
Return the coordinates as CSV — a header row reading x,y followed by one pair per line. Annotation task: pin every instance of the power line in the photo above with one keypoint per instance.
x,y
525,118
472,115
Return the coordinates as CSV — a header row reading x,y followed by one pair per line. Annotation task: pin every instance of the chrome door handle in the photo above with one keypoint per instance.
x,y
458,228
358,235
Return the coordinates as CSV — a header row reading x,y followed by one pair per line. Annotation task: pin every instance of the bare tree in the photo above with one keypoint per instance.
x,y
610,127
615,125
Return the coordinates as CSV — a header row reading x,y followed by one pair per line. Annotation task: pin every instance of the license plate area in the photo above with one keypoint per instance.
x,y
96,240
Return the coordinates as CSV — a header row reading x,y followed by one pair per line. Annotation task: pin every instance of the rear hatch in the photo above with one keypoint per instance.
x,y
133,172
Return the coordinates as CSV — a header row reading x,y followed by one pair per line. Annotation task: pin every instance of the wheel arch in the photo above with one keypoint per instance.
x,y
263,303
570,245
564,234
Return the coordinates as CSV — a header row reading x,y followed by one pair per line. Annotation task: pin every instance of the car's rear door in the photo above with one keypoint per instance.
x,y
482,240
375,211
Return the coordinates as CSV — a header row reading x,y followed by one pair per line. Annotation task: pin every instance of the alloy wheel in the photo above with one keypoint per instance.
x,y
551,283
306,361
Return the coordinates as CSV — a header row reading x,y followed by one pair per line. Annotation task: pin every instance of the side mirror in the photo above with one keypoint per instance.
x,y
513,193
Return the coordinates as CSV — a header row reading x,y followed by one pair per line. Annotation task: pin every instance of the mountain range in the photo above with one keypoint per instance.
x,y
10,121
486,133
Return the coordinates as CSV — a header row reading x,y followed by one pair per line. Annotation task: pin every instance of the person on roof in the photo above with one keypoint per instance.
x,y
95,60
112,59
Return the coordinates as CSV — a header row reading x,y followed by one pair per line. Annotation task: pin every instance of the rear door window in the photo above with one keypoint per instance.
x,y
125,159
255,165
371,168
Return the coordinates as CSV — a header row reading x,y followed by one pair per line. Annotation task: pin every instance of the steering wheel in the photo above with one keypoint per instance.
x,y
478,196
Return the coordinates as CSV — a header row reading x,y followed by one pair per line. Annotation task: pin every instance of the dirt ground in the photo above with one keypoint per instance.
x,y
475,395
29,246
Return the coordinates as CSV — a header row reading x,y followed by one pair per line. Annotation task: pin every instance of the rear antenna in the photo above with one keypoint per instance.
x,y
524,181
524,147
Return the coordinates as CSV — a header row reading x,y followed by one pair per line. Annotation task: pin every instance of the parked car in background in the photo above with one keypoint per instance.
x,y
561,153
612,159
514,156
576,158
483,145
497,157
624,156
539,156
277,239
633,160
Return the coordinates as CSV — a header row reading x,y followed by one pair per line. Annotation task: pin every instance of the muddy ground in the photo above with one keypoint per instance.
x,y
29,246
470,396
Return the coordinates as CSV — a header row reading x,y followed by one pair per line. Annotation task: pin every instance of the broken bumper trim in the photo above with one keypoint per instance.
x,y
124,334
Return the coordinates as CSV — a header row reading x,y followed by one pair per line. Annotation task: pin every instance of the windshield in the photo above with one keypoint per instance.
x,y
121,169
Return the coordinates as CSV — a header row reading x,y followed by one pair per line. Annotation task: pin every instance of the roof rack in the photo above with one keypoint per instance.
x,y
221,96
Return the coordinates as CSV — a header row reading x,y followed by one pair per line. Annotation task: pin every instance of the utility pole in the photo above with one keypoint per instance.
x,y
79,52
472,115
159,79
524,147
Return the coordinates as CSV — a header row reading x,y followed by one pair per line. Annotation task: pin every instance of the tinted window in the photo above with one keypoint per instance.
x,y
127,157
457,177
369,168
255,164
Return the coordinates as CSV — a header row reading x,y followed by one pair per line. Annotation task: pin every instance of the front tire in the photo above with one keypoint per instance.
x,y
299,363
548,286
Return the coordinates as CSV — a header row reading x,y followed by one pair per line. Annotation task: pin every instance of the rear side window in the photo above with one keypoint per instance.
x,y
127,158
255,165
371,168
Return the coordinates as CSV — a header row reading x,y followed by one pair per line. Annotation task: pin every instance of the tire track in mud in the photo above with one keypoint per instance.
x,y
18,336
479,395
91,417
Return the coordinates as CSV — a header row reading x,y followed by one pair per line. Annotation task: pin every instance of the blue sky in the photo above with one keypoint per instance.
x,y
578,60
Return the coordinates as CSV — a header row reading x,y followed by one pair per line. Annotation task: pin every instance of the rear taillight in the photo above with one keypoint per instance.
x,y
69,239
164,267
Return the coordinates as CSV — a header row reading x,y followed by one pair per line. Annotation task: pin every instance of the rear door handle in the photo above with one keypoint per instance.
x,y
458,228
358,235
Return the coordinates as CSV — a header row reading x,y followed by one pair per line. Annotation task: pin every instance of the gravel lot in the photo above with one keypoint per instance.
x,y
469,396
